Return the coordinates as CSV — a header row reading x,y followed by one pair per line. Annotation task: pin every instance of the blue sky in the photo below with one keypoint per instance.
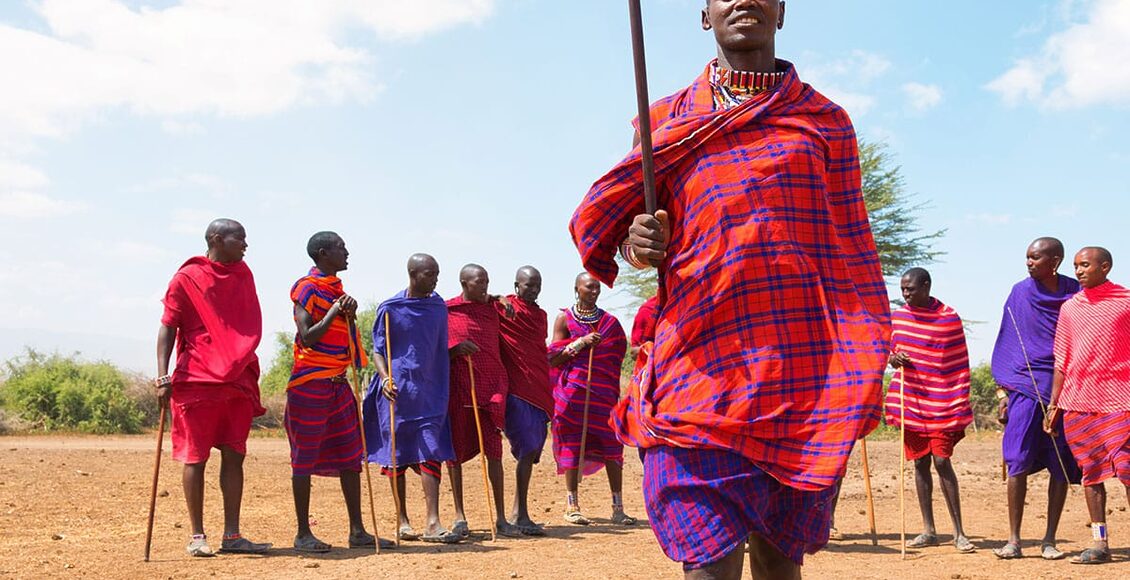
x,y
470,129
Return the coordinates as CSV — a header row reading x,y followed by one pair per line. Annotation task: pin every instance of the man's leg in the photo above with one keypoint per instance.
x,y
430,483
300,486
616,486
767,562
1096,508
833,533
1057,497
952,495
924,485
572,504
728,568
192,478
455,472
351,491
231,486
519,512
1017,493
398,486
498,490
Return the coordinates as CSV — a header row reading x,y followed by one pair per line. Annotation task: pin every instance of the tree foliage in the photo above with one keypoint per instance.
x,y
894,223
57,392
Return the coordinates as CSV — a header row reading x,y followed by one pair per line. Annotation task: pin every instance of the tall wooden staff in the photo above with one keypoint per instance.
x,y
584,423
361,429
392,428
643,105
870,498
156,473
902,459
482,449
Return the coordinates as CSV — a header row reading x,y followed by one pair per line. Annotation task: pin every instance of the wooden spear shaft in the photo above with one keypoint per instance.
x,y
902,461
156,473
392,429
870,497
361,429
643,105
482,450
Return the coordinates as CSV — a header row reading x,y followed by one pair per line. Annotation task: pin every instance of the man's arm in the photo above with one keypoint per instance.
x,y
309,332
166,338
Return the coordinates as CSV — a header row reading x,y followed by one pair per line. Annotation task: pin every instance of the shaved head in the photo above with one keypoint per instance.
x,y
1101,253
526,272
918,275
582,278
470,270
417,262
220,226
1052,246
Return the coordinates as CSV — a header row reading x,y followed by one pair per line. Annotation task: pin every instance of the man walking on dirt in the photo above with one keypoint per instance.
x,y
212,316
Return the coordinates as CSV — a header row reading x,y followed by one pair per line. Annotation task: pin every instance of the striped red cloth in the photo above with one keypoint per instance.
x,y
524,353
774,330
937,378
315,293
1092,350
1100,443
477,322
601,444
322,428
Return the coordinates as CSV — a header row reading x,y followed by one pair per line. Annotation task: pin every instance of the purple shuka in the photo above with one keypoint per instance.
x,y
1028,379
420,367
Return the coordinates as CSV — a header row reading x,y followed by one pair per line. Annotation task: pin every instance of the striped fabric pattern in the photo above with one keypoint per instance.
x,y
774,329
710,501
1092,350
601,444
321,424
315,293
937,379
1100,443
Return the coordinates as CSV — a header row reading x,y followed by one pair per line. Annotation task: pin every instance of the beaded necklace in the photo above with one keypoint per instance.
x,y
585,316
734,87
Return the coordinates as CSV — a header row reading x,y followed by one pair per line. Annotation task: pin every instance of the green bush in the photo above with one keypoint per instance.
x,y
57,392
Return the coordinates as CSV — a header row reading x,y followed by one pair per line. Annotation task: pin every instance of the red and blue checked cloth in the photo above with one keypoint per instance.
x,y
774,330
1100,443
1092,350
710,501
937,378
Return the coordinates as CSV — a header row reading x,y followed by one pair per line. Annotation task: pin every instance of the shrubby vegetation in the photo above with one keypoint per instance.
x,y
57,392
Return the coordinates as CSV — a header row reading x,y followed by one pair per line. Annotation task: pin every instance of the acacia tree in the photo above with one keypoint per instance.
x,y
894,223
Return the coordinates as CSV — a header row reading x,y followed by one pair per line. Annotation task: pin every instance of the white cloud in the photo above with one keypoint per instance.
x,y
211,57
28,205
20,176
845,80
193,182
1080,66
922,97
182,128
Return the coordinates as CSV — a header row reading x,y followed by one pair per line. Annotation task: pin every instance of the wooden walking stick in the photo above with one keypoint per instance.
x,y
156,473
392,429
902,460
584,425
482,449
870,498
361,429
643,105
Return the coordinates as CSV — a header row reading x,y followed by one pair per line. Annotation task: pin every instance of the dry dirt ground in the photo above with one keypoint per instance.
x,y
76,506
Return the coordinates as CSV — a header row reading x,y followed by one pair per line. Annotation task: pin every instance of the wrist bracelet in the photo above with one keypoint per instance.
x,y
163,381
1002,394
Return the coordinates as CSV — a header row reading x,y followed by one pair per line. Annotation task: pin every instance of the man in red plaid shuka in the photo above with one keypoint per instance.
x,y
774,320
473,338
